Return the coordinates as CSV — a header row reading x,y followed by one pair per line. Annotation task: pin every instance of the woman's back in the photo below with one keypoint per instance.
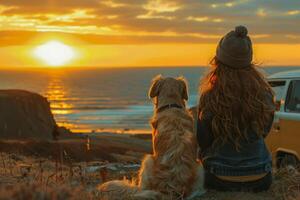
x,y
236,111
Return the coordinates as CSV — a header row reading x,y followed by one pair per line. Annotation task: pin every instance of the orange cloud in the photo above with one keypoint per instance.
x,y
116,17
149,27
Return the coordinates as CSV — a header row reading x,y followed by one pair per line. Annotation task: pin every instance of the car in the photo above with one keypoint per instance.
x,y
284,139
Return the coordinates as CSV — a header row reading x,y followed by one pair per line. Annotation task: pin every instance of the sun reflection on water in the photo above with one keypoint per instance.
x,y
56,93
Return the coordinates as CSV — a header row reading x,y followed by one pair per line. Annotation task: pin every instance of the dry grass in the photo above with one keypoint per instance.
x,y
51,170
25,177
286,186
38,192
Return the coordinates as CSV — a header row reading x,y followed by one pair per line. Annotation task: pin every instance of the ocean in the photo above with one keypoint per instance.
x,y
102,99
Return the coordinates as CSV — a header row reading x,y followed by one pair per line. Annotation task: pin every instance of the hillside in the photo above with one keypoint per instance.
x,y
25,115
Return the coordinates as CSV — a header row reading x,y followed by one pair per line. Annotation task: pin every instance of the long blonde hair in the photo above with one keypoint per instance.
x,y
237,100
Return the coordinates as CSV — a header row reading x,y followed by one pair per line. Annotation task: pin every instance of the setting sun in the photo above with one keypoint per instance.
x,y
54,53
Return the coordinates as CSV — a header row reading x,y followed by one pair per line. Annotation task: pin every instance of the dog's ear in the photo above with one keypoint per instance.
x,y
154,88
184,87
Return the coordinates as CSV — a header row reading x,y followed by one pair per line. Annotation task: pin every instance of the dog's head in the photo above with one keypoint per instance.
x,y
169,88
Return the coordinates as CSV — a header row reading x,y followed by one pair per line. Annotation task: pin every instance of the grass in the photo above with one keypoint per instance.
x,y
47,171
286,186
26,177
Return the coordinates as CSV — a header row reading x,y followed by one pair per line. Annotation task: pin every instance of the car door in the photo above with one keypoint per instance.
x,y
289,120
273,139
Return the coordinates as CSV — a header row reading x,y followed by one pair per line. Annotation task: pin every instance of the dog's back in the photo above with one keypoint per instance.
x,y
174,146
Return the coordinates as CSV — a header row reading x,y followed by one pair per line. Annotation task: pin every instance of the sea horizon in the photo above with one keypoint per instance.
x,y
94,99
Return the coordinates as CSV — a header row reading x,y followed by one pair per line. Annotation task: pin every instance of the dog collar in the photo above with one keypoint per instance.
x,y
173,105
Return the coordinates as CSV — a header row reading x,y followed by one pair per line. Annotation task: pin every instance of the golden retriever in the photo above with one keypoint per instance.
x,y
172,171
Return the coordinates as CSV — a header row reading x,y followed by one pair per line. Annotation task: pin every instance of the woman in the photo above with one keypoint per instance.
x,y
236,111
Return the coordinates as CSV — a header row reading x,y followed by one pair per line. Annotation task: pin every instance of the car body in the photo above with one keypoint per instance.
x,y
284,139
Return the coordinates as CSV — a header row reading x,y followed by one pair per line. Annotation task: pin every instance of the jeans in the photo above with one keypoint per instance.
x,y
213,182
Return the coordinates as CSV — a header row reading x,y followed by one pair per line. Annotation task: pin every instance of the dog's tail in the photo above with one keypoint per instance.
x,y
117,190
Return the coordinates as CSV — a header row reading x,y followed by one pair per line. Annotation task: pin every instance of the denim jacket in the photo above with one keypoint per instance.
x,y
252,158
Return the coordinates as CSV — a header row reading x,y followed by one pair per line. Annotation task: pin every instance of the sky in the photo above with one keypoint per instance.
x,y
146,32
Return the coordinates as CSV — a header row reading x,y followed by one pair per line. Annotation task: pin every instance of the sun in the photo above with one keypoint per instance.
x,y
54,53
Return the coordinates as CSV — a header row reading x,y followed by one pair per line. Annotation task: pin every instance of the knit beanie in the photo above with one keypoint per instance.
x,y
235,49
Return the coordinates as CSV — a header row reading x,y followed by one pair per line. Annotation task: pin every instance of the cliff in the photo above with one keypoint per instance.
x,y
25,115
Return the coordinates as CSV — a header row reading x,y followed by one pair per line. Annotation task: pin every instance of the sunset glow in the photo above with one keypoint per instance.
x,y
54,53
115,33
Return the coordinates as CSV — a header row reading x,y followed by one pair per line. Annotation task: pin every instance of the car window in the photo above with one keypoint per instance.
x,y
278,87
293,97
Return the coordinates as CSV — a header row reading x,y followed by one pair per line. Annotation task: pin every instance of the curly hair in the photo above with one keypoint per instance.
x,y
237,101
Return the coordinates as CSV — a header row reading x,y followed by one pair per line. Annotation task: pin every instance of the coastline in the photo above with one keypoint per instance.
x,y
97,100
78,162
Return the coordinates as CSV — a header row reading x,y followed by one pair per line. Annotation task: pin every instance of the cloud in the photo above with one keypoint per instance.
x,y
161,6
204,19
150,15
228,4
112,4
293,12
157,8
72,17
187,20
15,38
261,12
